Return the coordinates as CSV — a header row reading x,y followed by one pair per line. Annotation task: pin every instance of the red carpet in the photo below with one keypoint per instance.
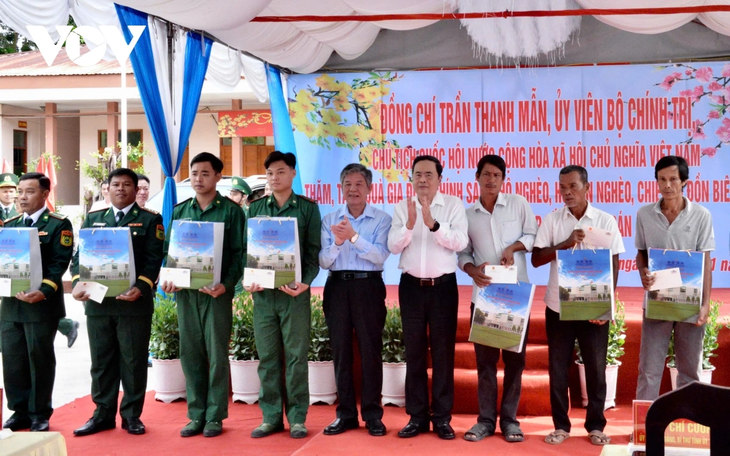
x,y
164,421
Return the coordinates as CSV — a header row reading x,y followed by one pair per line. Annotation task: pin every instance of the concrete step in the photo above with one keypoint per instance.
x,y
465,358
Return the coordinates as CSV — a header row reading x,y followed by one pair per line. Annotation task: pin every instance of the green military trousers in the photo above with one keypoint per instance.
x,y
119,347
29,367
205,331
281,327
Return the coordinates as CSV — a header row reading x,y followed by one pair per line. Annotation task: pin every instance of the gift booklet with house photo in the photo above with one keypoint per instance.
x,y
682,300
20,261
501,314
273,246
106,257
585,284
198,247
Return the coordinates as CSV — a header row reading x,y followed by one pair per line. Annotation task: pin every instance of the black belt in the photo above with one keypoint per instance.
x,y
430,282
352,275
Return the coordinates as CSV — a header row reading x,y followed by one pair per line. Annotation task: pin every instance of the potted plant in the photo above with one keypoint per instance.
x,y
394,359
616,341
322,384
709,345
244,358
169,380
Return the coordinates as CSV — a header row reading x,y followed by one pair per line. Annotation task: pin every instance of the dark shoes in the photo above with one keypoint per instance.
x,y
73,334
266,429
194,427
93,426
412,429
18,423
444,430
39,426
133,426
338,426
213,429
375,427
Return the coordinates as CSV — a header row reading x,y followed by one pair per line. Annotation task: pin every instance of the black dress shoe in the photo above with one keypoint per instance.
x,y
375,427
93,426
39,426
18,423
338,426
133,426
73,334
412,429
444,430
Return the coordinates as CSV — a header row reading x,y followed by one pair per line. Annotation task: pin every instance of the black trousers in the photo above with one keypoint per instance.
x,y
593,342
487,389
29,367
429,318
357,305
119,347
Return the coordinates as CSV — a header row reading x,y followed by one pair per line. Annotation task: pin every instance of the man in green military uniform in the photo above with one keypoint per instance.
x,y
29,320
205,315
282,317
119,326
239,192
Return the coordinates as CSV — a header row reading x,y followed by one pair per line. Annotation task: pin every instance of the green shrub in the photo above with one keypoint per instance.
x,y
165,337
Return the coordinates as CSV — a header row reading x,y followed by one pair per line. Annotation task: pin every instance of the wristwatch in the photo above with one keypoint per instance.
x,y
436,226
354,238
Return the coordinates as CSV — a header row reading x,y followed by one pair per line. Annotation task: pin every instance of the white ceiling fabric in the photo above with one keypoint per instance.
x,y
306,46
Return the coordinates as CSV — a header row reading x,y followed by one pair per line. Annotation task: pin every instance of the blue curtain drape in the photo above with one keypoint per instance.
x,y
143,63
283,134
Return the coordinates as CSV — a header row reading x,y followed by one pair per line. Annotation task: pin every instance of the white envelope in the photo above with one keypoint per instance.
x,y
95,290
5,288
666,278
263,277
180,277
597,237
501,274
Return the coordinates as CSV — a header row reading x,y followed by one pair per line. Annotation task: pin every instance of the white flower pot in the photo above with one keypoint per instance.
x,y
394,384
322,385
169,380
245,381
611,380
705,376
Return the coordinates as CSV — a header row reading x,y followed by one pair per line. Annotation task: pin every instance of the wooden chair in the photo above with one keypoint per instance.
x,y
702,403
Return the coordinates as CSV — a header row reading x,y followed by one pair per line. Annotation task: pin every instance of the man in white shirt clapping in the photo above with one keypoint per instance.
x,y
427,231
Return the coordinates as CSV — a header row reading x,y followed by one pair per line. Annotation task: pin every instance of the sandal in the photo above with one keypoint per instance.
x,y
512,433
599,438
479,431
556,437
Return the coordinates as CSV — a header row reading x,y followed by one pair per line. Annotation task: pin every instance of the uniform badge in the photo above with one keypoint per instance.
x,y
99,224
7,178
135,224
67,238
160,232
43,233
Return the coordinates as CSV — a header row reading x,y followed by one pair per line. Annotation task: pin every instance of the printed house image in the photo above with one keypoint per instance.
x,y
15,270
682,295
276,261
587,292
503,321
196,263
105,271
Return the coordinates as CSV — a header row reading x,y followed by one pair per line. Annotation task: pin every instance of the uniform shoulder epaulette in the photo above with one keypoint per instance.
x,y
98,210
183,202
307,199
13,218
151,211
260,198
57,215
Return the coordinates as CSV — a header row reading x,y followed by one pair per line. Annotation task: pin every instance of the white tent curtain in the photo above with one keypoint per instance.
x,y
306,46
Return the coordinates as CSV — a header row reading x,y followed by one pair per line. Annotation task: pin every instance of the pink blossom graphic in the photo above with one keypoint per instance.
x,y
723,133
670,80
713,114
714,85
709,151
726,70
704,74
688,72
698,130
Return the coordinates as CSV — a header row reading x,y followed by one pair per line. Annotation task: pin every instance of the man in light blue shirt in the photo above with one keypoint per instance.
x,y
354,248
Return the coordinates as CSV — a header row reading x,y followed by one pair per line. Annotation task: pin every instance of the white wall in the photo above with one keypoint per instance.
x,y
36,137
67,189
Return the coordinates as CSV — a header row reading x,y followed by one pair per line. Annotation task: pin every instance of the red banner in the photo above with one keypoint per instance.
x,y
244,123
681,433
